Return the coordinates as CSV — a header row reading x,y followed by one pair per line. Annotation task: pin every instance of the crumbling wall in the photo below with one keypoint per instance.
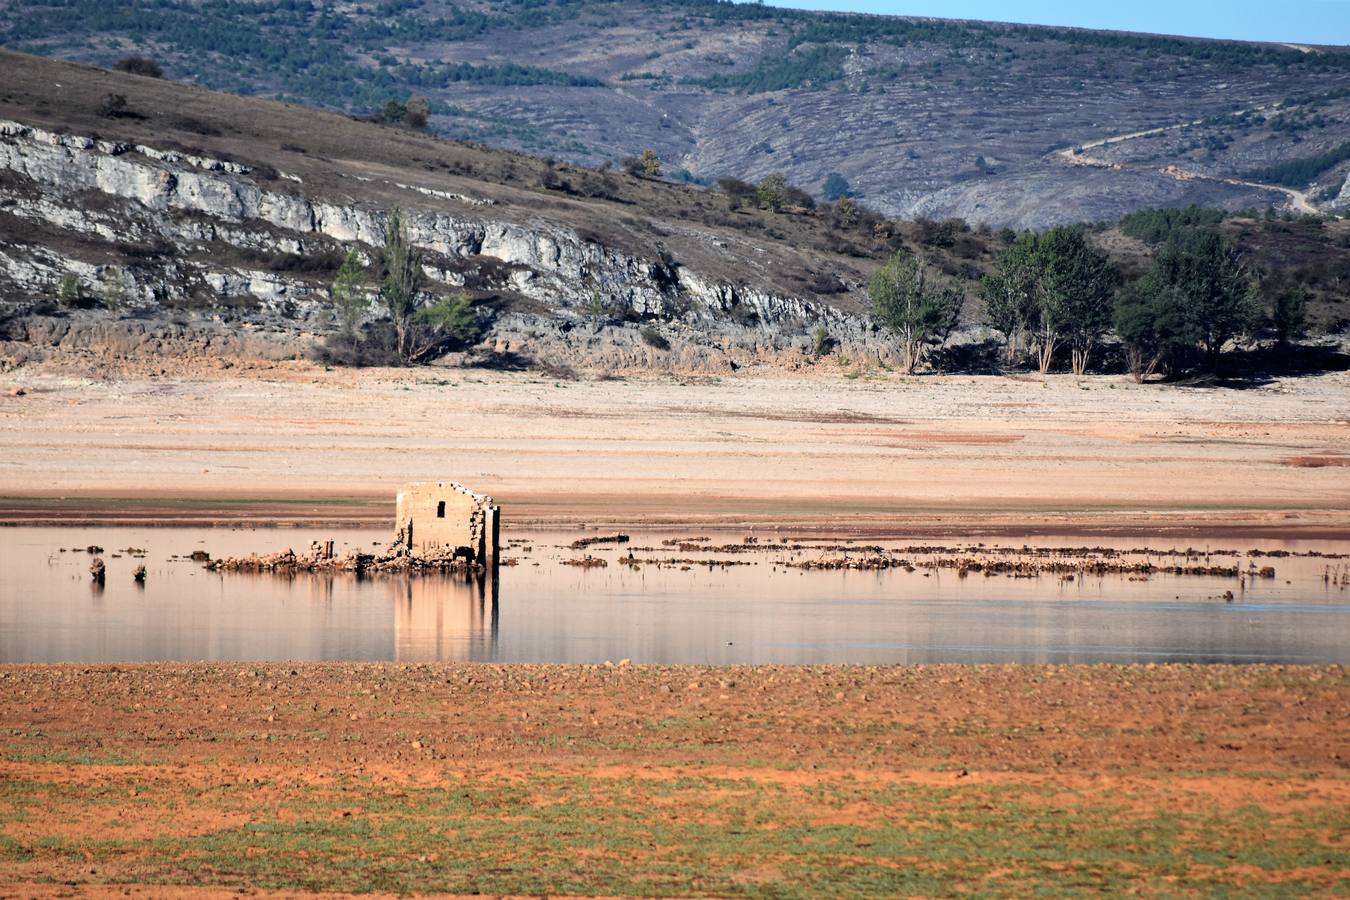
x,y
434,515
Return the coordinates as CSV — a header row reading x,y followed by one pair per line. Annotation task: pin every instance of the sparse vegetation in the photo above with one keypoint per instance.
x,y
811,69
651,164
652,337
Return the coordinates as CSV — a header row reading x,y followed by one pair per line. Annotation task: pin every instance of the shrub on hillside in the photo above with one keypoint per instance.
x,y
139,65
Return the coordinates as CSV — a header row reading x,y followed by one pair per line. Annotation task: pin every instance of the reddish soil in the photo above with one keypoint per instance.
x,y
163,746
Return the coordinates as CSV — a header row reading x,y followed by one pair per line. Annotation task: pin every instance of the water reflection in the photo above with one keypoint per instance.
x,y
444,619
689,612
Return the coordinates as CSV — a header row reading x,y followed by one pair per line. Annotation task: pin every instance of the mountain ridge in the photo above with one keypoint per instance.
x,y
921,116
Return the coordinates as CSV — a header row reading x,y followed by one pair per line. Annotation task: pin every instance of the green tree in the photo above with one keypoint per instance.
x,y
348,295
448,320
1155,327
1077,283
400,291
651,164
772,191
1206,273
1288,314
918,308
70,290
417,111
846,211
836,187
1011,294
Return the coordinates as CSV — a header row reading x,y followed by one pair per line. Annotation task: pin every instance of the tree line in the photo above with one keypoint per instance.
x,y
1054,293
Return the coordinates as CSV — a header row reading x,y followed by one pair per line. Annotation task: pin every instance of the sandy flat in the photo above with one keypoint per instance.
x,y
296,442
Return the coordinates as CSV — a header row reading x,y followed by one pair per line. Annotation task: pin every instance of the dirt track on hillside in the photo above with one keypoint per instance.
x,y
293,442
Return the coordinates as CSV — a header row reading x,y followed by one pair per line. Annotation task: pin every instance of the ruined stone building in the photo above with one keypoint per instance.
x,y
438,517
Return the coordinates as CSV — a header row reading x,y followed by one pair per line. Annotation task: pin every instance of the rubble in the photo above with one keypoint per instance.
x,y
321,557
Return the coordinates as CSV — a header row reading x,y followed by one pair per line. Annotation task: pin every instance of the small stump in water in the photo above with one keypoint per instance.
x,y
138,574
97,569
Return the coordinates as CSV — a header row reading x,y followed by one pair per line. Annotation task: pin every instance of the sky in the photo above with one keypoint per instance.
x,y
1295,21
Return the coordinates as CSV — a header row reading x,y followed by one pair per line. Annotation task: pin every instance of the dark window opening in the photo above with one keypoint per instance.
x,y
440,510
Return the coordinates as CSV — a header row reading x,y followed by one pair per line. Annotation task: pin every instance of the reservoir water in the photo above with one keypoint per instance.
x,y
692,611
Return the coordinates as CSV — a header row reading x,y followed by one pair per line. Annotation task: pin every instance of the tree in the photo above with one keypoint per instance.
x,y
1154,326
70,290
445,321
1011,294
1205,271
846,211
1077,286
394,112
651,164
348,295
416,112
114,288
836,187
772,191
738,192
1288,314
916,307
419,330
402,285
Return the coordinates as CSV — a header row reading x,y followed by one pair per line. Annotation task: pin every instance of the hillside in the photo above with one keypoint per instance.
x,y
1005,125
196,222
227,213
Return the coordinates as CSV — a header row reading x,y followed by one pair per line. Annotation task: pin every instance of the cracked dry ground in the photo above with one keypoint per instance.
x,y
763,781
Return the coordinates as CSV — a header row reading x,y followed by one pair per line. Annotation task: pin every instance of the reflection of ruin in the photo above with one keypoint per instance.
x,y
444,618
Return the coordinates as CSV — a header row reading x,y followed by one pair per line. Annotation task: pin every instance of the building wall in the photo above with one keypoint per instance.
x,y
435,515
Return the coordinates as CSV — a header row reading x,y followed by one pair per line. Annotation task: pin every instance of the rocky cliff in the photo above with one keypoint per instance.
x,y
174,247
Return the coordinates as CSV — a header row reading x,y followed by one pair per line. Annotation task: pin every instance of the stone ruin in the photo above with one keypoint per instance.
x,y
439,526
434,516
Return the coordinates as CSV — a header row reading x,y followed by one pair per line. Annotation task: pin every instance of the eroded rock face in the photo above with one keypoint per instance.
x,y
188,209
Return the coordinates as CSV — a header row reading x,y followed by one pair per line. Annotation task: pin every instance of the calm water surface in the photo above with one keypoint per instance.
x,y
542,611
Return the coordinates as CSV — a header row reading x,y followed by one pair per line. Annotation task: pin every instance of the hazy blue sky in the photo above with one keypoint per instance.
x,y
1305,21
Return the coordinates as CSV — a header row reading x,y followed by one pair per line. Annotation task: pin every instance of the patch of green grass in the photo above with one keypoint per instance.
x,y
697,835
81,759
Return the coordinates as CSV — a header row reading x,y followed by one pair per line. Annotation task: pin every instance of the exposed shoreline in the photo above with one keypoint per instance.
x,y
371,512
674,780
880,454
